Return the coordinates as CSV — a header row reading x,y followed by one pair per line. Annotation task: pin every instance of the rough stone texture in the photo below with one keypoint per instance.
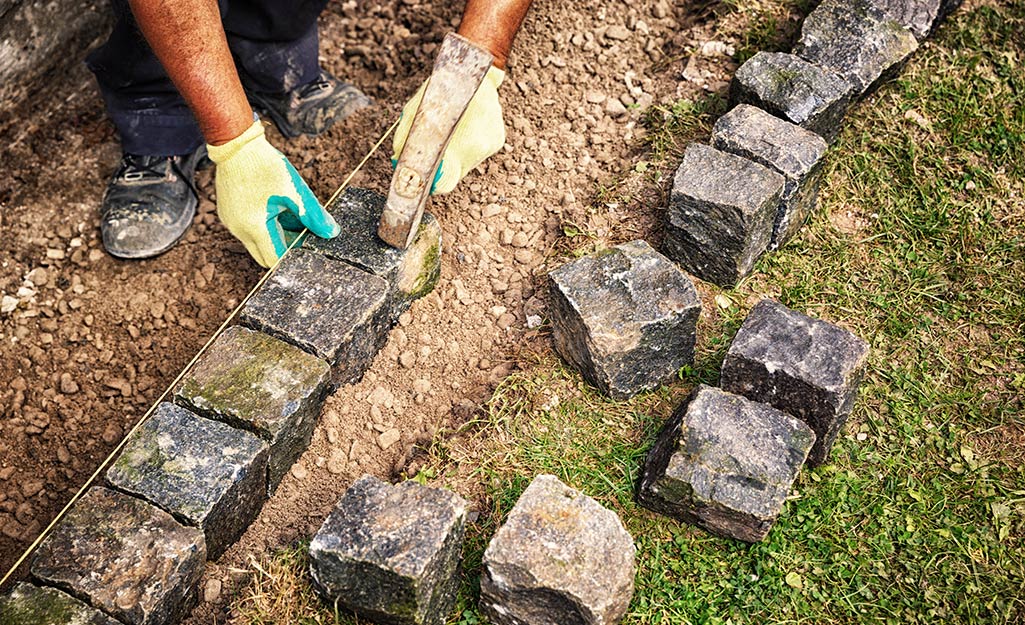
x,y
328,308
856,41
794,89
205,473
720,214
125,557
391,553
26,604
784,147
560,558
725,463
806,367
410,273
918,16
41,36
258,383
626,317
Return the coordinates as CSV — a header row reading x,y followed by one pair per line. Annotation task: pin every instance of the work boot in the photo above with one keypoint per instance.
x,y
150,203
312,108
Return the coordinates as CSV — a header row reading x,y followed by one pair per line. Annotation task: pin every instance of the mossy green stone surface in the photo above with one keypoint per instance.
x,y
26,604
204,472
256,382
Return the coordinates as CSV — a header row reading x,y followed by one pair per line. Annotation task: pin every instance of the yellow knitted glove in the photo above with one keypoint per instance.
x,y
479,134
261,198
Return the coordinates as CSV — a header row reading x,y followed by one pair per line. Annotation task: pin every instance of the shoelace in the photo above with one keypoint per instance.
x,y
314,88
135,167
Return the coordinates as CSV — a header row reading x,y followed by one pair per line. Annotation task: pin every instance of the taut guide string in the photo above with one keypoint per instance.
x,y
224,326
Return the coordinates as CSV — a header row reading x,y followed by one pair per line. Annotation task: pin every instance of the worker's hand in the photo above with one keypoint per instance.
x,y
479,134
261,198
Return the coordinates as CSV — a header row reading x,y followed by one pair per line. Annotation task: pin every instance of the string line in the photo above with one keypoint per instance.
x,y
220,330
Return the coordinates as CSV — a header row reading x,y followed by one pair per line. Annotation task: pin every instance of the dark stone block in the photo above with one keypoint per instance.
x,y
720,214
255,382
328,308
559,558
856,41
805,367
205,473
391,553
794,89
626,317
410,273
918,16
725,463
796,153
26,604
125,557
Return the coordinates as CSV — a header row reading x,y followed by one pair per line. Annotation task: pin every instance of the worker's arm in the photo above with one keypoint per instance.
x,y
257,188
492,25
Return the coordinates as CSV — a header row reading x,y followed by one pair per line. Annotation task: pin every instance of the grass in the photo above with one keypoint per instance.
x,y
918,246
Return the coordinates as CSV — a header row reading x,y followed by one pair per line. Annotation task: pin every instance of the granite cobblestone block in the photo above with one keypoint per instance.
x,y
787,86
721,212
725,463
921,17
124,556
856,41
805,367
258,383
559,558
794,152
330,309
391,553
26,604
410,273
205,473
626,317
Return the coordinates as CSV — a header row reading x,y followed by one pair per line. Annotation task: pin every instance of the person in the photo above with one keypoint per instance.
x,y
180,81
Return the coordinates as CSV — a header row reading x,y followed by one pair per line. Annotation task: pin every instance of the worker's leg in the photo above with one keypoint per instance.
x,y
151,199
276,46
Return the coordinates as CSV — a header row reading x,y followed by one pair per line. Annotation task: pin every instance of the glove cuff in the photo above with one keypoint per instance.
x,y
495,76
221,153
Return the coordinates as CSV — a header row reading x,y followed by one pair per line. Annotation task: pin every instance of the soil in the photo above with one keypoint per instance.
x,y
94,341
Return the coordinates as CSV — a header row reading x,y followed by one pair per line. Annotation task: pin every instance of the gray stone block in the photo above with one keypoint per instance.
x,y
26,604
794,89
205,473
410,273
784,147
328,308
856,41
125,557
918,16
391,553
626,317
255,382
725,463
559,558
720,215
805,367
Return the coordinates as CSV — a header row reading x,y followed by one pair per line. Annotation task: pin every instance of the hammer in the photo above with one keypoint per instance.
x,y
458,72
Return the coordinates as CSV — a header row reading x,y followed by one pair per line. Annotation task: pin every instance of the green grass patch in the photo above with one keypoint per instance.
x,y
918,246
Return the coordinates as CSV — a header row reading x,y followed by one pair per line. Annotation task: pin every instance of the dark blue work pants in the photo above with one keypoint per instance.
x,y
275,45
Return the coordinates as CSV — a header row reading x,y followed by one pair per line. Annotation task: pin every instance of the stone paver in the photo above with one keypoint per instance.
x,y
918,16
255,382
410,273
725,463
721,213
125,557
625,316
806,367
391,553
205,473
784,147
26,604
856,41
559,558
327,308
790,87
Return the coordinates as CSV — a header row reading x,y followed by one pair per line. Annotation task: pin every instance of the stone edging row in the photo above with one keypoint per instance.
x,y
190,481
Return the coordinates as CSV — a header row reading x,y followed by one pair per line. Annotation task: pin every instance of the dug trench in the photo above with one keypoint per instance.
x,y
89,342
